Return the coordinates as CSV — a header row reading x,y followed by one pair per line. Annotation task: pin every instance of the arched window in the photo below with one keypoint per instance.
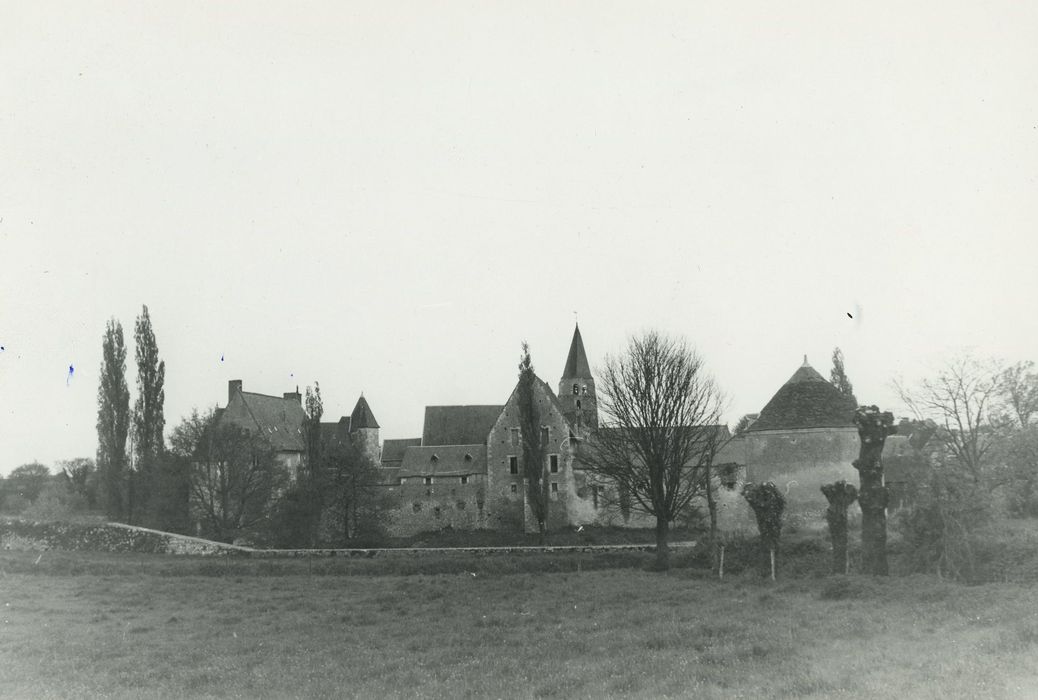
x,y
576,389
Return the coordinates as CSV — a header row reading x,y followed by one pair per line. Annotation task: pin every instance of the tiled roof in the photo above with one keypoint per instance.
x,y
576,363
458,425
362,416
278,419
393,450
444,460
807,400
337,432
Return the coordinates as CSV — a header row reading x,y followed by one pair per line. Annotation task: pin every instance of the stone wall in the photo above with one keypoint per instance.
x,y
444,503
800,461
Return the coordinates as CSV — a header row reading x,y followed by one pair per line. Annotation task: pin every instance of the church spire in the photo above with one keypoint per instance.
x,y
576,363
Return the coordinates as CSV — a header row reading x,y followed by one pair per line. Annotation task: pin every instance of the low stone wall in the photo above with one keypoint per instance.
x,y
24,535
108,537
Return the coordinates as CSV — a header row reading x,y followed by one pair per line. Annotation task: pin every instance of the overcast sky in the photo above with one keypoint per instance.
x,y
390,197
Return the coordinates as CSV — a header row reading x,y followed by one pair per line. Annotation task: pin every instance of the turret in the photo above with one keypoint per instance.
x,y
364,430
577,389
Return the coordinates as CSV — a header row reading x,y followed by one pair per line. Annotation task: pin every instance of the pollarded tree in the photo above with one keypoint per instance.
x,y
535,468
113,422
768,504
148,421
660,429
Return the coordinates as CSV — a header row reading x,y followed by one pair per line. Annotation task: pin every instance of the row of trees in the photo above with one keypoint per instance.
x,y
138,483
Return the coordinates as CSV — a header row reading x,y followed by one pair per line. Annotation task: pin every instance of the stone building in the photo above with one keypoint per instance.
x,y
804,437
279,419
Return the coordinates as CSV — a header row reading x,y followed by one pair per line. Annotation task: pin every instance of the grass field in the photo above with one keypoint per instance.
x,y
80,625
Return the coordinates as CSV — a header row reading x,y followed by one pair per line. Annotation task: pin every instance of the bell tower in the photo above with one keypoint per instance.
x,y
577,389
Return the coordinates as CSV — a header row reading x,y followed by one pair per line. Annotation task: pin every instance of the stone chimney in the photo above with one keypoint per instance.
x,y
233,387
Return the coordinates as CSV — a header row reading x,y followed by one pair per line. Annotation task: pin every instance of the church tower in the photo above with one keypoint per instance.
x,y
577,389
364,430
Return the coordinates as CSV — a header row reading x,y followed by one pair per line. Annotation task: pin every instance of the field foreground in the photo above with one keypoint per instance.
x,y
593,633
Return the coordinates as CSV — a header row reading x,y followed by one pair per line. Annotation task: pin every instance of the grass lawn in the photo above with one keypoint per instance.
x,y
156,629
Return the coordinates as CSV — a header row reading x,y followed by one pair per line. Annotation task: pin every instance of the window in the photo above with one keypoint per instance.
x,y
464,480
513,464
554,487
468,457
553,461
578,404
576,389
585,390
515,488
416,507
545,435
514,436
428,480
435,458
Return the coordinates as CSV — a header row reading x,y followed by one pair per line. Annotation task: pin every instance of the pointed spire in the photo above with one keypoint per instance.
x,y
362,416
806,363
576,363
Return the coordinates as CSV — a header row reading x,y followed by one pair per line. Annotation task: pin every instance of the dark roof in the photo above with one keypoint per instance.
x,y
362,416
337,432
393,450
278,419
444,460
807,400
459,425
576,363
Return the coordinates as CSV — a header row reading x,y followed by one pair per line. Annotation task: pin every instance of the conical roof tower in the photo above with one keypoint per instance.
x,y
806,400
577,388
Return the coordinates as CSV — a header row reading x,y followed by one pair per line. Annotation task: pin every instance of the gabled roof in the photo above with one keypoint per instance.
x,y
393,450
807,400
337,432
576,363
458,425
444,460
277,419
362,416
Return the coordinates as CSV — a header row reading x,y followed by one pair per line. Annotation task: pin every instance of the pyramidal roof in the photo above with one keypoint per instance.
x,y
576,363
807,400
362,416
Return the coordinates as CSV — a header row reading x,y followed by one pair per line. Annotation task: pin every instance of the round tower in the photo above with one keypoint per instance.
x,y
577,389
364,431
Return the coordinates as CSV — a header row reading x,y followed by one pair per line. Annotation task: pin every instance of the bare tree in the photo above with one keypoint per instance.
x,y
535,469
1019,389
961,399
659,434
234,476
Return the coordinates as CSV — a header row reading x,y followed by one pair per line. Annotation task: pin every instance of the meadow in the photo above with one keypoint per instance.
x,y
90,625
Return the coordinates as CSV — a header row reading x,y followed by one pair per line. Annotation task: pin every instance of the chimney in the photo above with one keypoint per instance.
x,y
294,395
233,387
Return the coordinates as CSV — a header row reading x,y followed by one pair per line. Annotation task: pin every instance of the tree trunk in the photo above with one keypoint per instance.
x,y
542,532
662,547
840,496
711,505
873,429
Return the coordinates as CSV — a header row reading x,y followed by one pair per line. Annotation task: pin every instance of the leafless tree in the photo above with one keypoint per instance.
x,y
962,399
660,430
1019,390
234,475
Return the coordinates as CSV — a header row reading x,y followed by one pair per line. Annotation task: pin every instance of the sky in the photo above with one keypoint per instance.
x,y
389,197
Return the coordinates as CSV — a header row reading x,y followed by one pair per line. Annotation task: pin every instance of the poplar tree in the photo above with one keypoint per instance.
x,y
838,376
535,470
113,421
148,419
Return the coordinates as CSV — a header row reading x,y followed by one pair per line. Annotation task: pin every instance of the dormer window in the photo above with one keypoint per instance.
x,y
468,457
428,480
434,458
